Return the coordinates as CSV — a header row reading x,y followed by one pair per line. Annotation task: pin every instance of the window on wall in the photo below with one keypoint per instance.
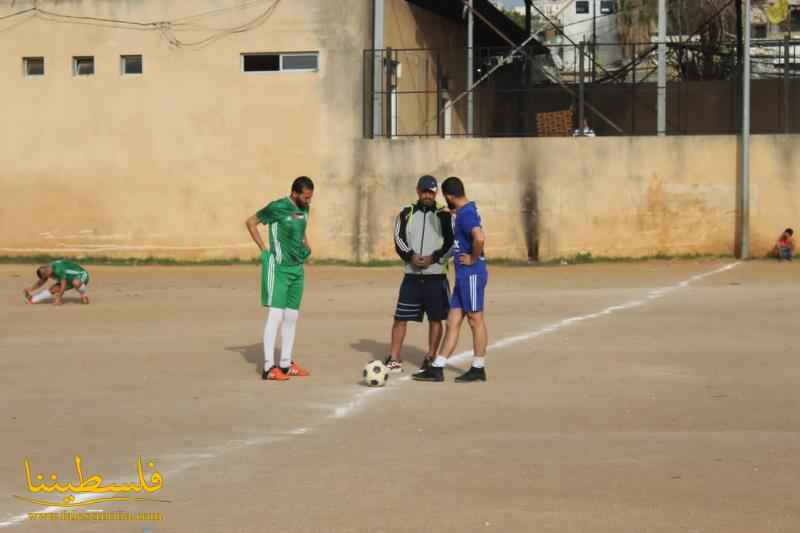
x,y
794,18
759,31
33,66
261,62
582,7
300,62
83,66
281,62
608,7
131,64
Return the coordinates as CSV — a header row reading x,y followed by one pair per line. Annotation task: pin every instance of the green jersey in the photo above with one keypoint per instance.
x,y
67,270
287,230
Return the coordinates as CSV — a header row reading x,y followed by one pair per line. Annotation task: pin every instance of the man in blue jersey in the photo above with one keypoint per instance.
x,y
468,292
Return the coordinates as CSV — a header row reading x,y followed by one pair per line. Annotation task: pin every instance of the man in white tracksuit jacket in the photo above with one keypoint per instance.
x,y
423,237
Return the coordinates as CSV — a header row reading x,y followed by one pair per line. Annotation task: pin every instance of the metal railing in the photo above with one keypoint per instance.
x,y
415,89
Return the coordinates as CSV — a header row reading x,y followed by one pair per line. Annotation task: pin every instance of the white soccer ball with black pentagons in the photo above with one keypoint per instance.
x,y
376,374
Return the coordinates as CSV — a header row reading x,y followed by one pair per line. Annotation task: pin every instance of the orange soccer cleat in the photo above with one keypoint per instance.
x,y
274,374
296,370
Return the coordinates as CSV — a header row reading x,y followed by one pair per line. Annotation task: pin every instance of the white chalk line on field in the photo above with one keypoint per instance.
x,y
653,294
359,400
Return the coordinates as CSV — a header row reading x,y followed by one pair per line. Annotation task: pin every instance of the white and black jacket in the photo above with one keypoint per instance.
x,y
424,231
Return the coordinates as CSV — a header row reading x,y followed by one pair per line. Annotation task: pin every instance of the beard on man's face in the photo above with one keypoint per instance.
x,y
300,201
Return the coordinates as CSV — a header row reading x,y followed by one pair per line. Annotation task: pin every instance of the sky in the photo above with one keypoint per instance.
x,y
511,3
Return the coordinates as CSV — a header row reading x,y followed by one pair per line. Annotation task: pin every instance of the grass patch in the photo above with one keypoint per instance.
x,y
588,258
121,261
578,259
162,261
375,263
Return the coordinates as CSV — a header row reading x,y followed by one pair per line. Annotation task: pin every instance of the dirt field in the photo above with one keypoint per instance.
x,y
621,398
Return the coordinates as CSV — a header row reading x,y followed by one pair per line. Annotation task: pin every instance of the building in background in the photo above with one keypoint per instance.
x,y
154,127
593,22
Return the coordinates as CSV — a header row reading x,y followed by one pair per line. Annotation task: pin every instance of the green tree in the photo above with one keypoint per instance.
x,y
536,20
712,22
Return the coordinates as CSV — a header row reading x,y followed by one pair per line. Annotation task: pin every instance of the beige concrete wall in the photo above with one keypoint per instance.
x,y
607,196
171,162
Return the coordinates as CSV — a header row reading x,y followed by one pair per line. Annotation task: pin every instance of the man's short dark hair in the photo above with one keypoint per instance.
x,y
301,184
790,231
40,273
453,186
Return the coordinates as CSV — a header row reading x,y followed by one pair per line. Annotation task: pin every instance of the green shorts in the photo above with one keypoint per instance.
x,y
83,277
281,285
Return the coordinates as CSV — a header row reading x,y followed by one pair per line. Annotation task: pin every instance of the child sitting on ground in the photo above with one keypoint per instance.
x,y
784,248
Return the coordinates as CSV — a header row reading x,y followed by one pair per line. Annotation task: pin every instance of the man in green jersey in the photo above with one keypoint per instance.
x,y
282,273
68,275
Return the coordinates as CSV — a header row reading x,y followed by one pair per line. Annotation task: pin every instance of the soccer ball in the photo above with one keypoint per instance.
x,y
376,374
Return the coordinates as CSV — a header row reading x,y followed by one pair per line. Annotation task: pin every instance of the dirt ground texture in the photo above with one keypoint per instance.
x,y
669,411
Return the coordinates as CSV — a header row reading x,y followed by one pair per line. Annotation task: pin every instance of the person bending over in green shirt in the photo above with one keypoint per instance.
x,y
68,275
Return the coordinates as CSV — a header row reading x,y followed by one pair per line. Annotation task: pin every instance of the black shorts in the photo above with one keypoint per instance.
x,y
423,294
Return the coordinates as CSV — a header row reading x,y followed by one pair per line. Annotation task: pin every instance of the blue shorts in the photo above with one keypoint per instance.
x,y
468,293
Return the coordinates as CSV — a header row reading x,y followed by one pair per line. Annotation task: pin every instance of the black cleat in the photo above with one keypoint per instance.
x,y
473,374
432,373
394,367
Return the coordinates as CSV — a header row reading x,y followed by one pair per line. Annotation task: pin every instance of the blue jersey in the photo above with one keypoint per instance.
x,y
466,220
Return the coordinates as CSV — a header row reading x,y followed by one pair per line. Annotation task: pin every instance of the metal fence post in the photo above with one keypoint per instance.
x,y
786,84
371,95
388,95
377,68
439,100
744,176
470,71
582,72
661,118
633,91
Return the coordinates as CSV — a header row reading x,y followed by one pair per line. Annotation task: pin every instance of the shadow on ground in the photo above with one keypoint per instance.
x,y
254,354
380,350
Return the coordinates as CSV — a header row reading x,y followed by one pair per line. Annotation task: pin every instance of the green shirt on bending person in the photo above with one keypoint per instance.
x,y
67,274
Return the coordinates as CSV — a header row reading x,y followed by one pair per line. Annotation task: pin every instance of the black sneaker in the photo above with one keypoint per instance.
x,y
432,373
426,363
394,367
473,374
